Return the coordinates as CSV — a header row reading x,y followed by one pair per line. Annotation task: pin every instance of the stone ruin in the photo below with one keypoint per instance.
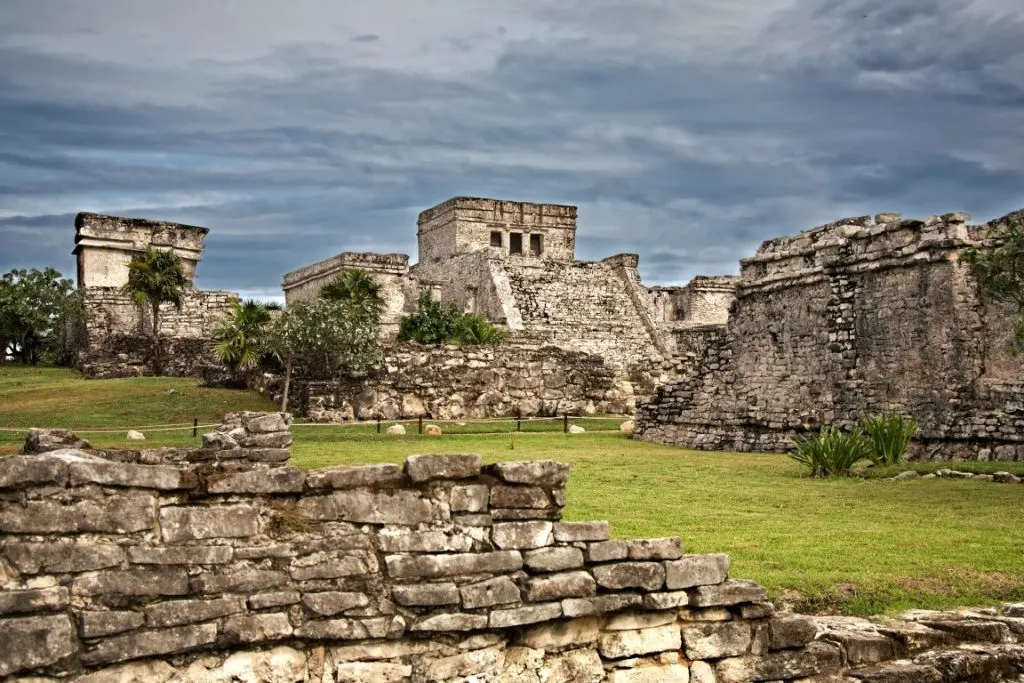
x,y
117,331
856,316
228,564
514,264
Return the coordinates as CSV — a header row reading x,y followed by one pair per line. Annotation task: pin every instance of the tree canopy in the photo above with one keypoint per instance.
x,y
35,308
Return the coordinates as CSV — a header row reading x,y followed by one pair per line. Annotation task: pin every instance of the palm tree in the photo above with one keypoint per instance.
x,y
240,342
156,277
357,288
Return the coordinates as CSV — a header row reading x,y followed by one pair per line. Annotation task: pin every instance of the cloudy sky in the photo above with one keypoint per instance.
x,y
685,130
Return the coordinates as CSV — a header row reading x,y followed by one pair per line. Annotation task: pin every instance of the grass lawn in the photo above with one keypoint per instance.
x,y
855,546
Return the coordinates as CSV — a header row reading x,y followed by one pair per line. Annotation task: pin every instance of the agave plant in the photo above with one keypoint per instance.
x,y
830,452
888,436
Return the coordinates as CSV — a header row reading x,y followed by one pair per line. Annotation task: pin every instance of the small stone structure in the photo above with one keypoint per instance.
x,y
118,332
513,379
855,316
514,264
204,565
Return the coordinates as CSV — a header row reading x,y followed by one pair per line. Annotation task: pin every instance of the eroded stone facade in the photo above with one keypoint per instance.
x,y
118,332
227,564
514,263
856,316
513,379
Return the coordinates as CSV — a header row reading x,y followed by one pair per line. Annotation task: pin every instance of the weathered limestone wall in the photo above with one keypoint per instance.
x,y
464,224
476,281
118,333
705,300
398,289
451,382
105,245
229,565
596,307
851,317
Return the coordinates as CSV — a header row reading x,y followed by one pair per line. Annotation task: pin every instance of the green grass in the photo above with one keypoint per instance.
x,y
847,545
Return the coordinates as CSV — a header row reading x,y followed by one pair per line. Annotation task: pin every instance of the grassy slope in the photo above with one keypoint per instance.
x,y
851,545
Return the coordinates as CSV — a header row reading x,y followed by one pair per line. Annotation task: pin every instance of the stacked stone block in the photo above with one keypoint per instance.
x,y
439,570
858,316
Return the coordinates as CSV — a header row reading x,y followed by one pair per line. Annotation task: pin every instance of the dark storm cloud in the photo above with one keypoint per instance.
x,y
689,153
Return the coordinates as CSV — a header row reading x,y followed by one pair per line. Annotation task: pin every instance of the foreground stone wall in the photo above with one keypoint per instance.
x,y
225,564
451,382
855,316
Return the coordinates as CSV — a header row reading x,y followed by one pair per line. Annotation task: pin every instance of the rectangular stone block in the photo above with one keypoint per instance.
x,y
583,607
661,673
406,541
532,472
607,551
519,616
648,576
519,497
632,620
563,634
368,507
190,555
620,644
696,570
522,535
558,586
498,591
426,595
344,629
471,498
459,564
329,603
35,642
150,643
179,524
791,630
378,672
21,470
257,628
37,600
355,476
572,532
654,549
816,658
275,480
553,559
422,468
332,566
134,582
274,599
716,640
245,580
180,612
668,600
62,557
114,515
732,592
99,624
451,622
551,514
161,477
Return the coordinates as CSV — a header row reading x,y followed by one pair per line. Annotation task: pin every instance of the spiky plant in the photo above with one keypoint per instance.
x,y
830,452
240,341
888,436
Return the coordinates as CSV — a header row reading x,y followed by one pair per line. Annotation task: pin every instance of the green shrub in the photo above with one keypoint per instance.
x,y
830,452
436,323
888,436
